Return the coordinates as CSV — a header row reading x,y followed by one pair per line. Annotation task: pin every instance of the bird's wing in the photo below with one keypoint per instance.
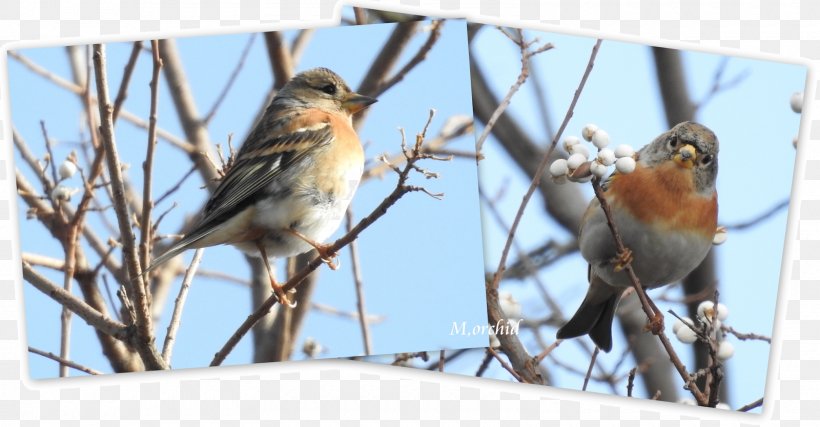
x,y
268,151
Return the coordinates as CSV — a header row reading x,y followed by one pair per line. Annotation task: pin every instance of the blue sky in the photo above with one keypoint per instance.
x,y
421,262
755,126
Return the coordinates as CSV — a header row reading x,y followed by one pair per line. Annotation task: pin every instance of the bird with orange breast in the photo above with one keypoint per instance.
x,y
292,179
666,213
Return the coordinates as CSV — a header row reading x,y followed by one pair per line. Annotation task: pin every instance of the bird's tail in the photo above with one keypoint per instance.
x,y
594,316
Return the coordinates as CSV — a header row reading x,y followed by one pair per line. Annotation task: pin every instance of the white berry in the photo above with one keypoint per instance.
x,y
722,311
62,193
725,351
686,335
509,305
312,348
597,169
580,149
600,138
682,324
588,131
570,142
705,310
606,157
559,168
624,150
625,165
67,169
796,102
721,235
575,160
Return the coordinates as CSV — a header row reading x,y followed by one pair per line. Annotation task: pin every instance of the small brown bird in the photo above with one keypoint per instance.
x,y
666,212
293,177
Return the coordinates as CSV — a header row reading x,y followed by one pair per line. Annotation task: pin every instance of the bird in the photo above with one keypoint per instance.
x,y
666,213
292,179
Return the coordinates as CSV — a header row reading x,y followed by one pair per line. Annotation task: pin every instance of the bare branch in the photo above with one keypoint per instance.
x,y
122,93
173,325
146,234
64,362
526,54
137,287
79,307
357,282
505,365
281,61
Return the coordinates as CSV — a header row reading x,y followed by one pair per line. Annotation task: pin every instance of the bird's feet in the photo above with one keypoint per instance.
x,y
329,256
281,295
622,260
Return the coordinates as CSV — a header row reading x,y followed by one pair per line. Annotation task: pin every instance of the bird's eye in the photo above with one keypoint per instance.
x,y
706,159
329,89
673,142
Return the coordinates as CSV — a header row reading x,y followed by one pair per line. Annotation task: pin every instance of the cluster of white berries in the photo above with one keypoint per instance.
x,y
67,169
707,313
796,102
578,168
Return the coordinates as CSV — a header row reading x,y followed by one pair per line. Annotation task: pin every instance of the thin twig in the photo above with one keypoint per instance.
x,y
137,289
441,361
231,79
750,406
589,370
122,93
173,325
421,54
80,308
485,363
358,283
542,166
505,365
744,336
297,46
761,217
79,90
526,54
146,230
630,382
64,362
281,61
546,352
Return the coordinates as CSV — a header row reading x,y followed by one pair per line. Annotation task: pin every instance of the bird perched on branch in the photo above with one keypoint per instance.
x,y
293,178
666,213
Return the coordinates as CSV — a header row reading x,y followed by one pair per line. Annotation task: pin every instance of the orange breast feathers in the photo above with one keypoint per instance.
x,y
339,166
665,195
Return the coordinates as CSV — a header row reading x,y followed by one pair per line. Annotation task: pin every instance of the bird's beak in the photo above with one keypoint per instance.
x,y
686,156
354,102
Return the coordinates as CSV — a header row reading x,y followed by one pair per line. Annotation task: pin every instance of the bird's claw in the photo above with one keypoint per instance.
x,y
622,260
282,296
